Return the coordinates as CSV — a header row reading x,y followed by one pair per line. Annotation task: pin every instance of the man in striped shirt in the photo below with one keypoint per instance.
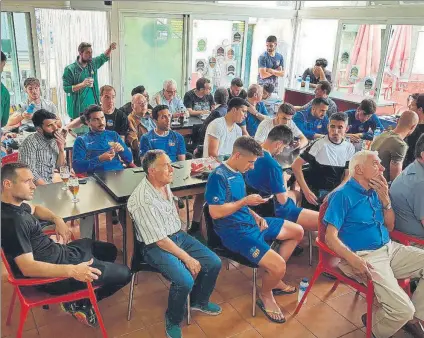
x,y
190,266
43,151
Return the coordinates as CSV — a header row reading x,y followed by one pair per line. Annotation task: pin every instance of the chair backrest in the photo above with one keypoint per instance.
x,y
11,158
7,266
213,239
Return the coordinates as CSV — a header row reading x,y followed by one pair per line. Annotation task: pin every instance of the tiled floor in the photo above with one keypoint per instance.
x,y
325,315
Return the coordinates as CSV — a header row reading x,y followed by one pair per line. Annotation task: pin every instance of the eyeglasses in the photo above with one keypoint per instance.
x,y
171,91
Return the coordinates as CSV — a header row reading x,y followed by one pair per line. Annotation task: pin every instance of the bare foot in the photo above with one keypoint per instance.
x,y
271,306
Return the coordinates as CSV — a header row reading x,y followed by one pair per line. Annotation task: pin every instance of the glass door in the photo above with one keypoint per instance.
x,y
152,52
217,51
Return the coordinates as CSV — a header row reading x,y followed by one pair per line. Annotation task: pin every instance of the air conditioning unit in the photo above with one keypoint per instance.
x,y
91,5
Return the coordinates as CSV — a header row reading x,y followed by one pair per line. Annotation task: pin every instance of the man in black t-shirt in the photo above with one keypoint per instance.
x,y
416,104
31,253
236,89
199,100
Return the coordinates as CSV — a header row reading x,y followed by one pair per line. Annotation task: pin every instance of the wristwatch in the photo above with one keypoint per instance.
x,y
388,206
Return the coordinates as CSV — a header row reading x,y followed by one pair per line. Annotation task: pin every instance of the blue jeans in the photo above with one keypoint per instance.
x,y
182,282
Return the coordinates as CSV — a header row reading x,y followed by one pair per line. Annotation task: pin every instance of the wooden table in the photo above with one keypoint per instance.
x,y
187,128
120,185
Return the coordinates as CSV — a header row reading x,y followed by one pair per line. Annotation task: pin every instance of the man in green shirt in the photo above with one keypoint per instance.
x,y
80,80
5,96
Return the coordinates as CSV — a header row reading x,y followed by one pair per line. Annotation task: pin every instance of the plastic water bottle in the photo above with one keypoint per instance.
x,y
307,82
304,283
376,133
299,82
30,108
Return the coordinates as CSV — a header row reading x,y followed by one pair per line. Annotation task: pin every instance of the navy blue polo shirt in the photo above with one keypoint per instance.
x,y
358,215
310,125
172,144
367,128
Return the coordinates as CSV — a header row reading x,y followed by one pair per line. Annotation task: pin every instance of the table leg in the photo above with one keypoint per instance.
x,y
124,235
129,239
109,227
188,212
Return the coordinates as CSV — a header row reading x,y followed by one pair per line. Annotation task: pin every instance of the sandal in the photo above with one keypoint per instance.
x,y
288,290
267,312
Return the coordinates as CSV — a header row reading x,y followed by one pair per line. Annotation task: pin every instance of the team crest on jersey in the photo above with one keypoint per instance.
x,y
215,199
109,123
255,252
171,143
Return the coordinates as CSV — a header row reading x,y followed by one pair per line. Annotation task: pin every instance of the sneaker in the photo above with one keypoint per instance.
x,y
85,314
68,307
211,309
172,330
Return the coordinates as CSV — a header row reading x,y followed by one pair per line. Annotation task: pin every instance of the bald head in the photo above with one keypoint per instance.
x,y
407,122
139,104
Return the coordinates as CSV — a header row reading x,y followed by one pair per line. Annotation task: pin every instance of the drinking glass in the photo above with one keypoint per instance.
x,y
64,175
74,188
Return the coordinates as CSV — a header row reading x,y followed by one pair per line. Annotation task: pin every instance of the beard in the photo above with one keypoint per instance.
x,y
49,136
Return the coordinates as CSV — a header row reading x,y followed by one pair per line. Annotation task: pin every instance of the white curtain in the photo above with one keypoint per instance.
x,y
59,33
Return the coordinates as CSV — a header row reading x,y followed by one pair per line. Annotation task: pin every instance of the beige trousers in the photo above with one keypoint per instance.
x,y
390,263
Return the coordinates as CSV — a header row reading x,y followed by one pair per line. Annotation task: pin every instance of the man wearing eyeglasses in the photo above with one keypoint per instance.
x,y
168,97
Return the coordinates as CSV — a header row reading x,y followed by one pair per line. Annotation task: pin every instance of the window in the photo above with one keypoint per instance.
x,y
317,39
289,4
16,44
334,3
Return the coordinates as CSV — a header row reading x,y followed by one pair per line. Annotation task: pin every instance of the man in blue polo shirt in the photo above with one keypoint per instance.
x,y
243,231
270,64
256,111
267,178
162,137
313,121
363,121
359,218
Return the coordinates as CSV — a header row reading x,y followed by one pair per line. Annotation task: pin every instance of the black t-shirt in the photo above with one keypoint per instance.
x,y
411,140
21,233
314,80
117,121
127,108
242,95
191,100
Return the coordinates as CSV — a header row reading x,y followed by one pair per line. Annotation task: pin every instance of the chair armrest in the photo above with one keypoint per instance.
x,y
404,238
35,281
324,247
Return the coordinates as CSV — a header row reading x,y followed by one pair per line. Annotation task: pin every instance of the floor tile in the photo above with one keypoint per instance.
x,y
233,284
324,321
69,326
26,334
322,288
152,307
227,324
289,302
355,334
148,283
351,306
143,333
189,331
248,334
291,328
10,330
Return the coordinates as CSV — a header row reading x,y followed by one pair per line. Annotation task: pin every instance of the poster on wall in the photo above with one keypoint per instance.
x,y
230,53
220,52
202,44
212,62
368,83
345,58
230,68
200,65
236,38
354,73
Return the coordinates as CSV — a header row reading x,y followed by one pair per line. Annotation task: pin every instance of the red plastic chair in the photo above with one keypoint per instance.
x,y
30,297
327,262
11,158
405,239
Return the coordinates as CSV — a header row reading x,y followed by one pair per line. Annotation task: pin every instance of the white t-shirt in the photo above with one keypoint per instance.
x,y
218,129
266,126
328,153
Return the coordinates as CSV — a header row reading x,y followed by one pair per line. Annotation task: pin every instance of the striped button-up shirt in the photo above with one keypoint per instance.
x,y
41,155
155,217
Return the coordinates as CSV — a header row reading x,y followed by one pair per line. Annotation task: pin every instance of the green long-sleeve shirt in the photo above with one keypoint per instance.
x,y
5,105
74,74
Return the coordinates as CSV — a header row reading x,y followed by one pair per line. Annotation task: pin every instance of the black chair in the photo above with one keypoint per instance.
x,y
215,244
138,265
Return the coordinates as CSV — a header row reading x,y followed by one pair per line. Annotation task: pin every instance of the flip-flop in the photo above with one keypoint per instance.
x,y
278,292
267,312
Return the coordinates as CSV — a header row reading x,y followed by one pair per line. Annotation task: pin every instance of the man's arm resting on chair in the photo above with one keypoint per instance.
x,y
32,268
361,267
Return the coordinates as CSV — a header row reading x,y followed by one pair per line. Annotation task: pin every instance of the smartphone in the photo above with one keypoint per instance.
x,y
138,170
177,165
267,197
64,132
82,181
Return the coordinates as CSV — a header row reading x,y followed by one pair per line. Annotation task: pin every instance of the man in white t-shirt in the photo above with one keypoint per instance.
x,y
224,131
328,159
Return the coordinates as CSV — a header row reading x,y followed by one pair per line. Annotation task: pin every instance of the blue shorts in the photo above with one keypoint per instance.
x,y
289,211
249,241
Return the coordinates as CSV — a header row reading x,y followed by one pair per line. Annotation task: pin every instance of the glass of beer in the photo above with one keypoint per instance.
x,y
64,175
74,188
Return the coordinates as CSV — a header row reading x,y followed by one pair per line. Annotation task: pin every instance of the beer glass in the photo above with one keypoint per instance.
x,y
74,188
64,175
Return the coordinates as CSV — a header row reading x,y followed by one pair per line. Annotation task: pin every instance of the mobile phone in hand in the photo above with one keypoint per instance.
x,y
268,197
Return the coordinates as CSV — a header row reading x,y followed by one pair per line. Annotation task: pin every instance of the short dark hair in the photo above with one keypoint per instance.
x,y
82,46
138,90
157,109
221,95
237,82
106,88
86,114
236,102
320,100
8,171
419,147
281,134
420,101
247,144
321,62
3,57
200,83
368,106
40,115
340,116
271,38
31,81
269,87
286,108
149,158
326,86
